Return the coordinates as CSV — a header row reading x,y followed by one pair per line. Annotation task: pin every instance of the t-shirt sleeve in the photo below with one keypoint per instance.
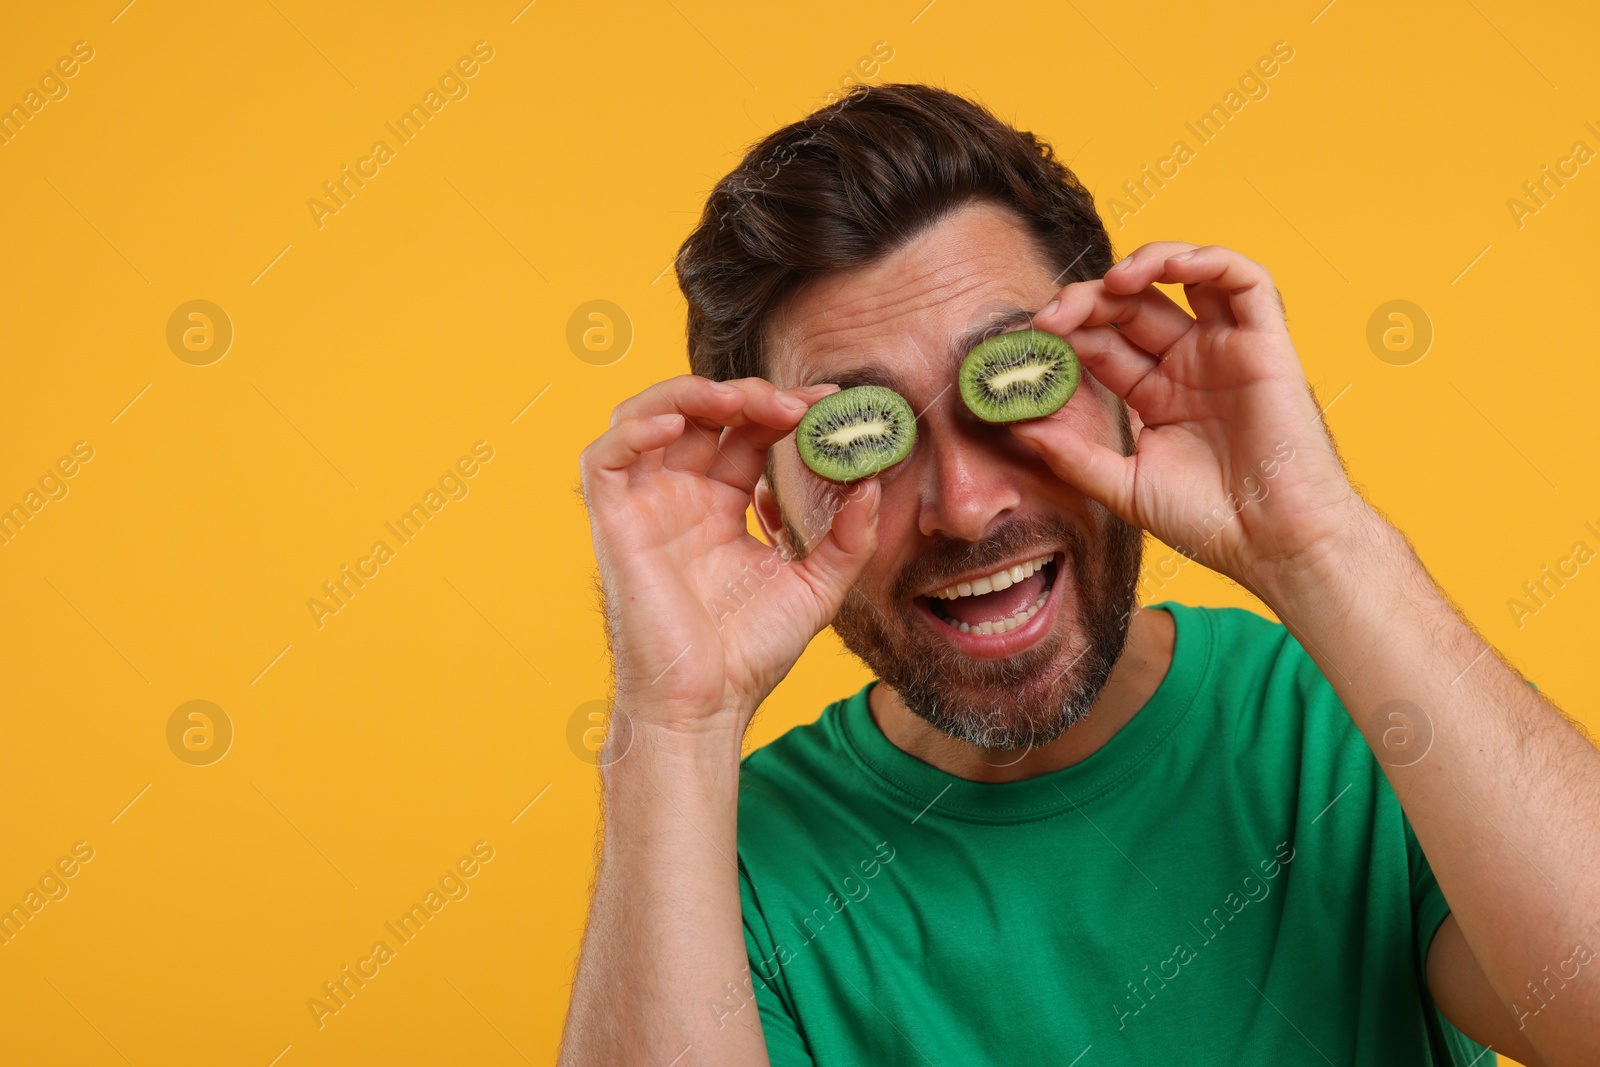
x,y
786,1045
1428,906
1428,911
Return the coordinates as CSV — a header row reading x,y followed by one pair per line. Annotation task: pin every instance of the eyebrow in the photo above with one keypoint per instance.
x,y
1002,321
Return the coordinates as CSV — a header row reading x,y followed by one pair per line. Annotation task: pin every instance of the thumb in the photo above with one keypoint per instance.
x,y
838,559
1101,473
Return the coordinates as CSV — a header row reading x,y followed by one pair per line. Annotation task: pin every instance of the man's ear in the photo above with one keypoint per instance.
x,y
768,514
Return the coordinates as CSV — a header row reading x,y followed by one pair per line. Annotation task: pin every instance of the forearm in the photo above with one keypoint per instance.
x,y
1506,800
664,931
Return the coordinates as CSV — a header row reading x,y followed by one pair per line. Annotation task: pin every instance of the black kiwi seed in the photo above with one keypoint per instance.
x,y
1026,374
854,433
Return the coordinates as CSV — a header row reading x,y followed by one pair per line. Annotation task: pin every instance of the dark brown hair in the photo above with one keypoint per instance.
x,y
852,182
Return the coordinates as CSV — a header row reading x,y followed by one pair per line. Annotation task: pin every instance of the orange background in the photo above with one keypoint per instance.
x,y
371,352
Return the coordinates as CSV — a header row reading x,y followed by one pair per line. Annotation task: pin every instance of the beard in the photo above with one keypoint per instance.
x,y
1027,699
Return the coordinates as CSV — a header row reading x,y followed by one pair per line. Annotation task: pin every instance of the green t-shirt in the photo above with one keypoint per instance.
x,y
1229,880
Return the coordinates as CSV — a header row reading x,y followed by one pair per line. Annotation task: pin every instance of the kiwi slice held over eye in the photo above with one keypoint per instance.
x,y
854,433
1026,374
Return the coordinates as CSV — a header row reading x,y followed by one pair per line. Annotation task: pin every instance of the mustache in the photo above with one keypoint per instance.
x,y
948,559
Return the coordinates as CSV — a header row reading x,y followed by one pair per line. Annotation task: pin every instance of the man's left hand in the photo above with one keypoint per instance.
x,y
1231,463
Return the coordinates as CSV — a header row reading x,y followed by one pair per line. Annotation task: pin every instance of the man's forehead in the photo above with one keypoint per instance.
x,y
917,310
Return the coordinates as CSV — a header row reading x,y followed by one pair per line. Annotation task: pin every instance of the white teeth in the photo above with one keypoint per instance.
x,y
1005,625
995,582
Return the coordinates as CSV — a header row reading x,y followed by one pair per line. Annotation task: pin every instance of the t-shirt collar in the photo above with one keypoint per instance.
x,y
1045,795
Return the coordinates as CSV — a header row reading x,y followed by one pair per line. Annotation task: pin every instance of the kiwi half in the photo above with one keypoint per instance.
x,y
854,433
1026,374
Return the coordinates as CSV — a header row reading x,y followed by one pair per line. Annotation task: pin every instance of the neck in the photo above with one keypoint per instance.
x,y
1134,679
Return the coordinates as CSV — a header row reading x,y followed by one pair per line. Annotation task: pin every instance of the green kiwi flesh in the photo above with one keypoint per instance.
x,y
1026,374
855,433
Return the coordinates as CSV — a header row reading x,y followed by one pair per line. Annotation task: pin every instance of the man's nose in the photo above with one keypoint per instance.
x,y
966,486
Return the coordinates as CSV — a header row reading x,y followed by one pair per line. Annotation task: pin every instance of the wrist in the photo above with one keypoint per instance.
x,y
1343,565
697,753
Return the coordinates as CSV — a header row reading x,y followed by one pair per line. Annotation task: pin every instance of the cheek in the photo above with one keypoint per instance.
x,y
898,538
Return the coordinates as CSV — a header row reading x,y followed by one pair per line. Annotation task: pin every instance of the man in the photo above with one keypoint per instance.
x,y
1113,833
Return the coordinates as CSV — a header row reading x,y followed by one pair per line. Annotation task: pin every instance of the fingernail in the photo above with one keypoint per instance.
x,y
792,403
1122,264
1186,255
1050,309
724,388
666,420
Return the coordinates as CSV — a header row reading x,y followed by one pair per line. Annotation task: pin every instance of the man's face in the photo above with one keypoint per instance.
x,y
970,500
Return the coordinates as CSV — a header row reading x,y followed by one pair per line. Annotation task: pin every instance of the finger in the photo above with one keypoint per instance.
x,y
742,451
770,413
1215,278
1116,362
631,440
719,404
687,394
1247,285
669,395
1099,472
769,405
742,454
1149,318
838,559
706,405
1128,274
710,407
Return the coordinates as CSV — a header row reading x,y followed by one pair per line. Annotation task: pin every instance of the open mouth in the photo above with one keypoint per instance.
x,y
998,613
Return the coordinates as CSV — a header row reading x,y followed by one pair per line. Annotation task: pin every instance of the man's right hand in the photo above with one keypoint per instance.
x,y
668,487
